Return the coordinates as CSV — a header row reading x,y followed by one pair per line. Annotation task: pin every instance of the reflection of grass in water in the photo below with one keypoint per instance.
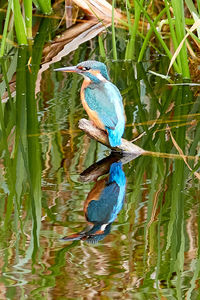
x,y
160,121
164,188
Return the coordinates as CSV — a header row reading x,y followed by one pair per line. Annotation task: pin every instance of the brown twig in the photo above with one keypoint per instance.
x,y
101,137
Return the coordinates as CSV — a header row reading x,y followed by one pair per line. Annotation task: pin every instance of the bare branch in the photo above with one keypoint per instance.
x,y
101,137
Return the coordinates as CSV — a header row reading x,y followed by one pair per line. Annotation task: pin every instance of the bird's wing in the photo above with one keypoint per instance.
x,y
102,98
103,209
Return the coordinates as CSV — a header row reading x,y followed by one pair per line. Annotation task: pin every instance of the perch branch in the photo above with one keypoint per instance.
x,y
102,166
101,137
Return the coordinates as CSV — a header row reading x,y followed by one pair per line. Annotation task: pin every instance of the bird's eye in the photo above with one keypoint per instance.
x,y
86,68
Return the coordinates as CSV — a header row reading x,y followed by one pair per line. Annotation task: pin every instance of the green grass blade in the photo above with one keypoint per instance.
x,y
9,73
182,44
178,10
194,36
101,47
9,174
147,38
4,71
3,42
172,31
194,13
113,32
34,153
21,121
28,17
8,164
128,6
39,41
130,53
44,6
159,37
19,23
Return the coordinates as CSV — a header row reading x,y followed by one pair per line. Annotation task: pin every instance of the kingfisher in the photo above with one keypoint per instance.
x,y
101,99
102,205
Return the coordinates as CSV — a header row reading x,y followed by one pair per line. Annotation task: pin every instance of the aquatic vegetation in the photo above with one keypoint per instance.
x,y
152,250
158,26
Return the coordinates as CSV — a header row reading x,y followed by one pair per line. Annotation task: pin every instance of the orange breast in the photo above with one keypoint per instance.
x,y
95,193
91,113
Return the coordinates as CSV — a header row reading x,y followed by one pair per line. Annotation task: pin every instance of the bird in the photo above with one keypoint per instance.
x,y
101,99
102,205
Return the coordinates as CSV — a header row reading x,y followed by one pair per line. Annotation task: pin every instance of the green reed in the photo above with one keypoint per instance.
x,y
172,15
19,23
28,18
22,159
44,6
113,32
22,21
164,187
3,42
178,9
130,50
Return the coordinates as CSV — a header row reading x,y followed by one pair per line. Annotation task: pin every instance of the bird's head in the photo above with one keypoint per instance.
x,y
93,70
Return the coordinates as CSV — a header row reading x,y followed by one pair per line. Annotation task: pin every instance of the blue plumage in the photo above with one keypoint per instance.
x,y
101,99
102,205
110,202
105,99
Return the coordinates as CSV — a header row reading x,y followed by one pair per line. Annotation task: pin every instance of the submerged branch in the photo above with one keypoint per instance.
x,y
101,137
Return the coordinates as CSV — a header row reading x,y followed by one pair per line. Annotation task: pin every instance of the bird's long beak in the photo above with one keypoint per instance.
x,y
68,69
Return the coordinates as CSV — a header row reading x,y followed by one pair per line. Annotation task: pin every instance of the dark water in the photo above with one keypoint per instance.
x,y
150,251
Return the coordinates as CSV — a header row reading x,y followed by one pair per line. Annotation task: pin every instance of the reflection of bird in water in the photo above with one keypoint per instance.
x,y
101,99
102,205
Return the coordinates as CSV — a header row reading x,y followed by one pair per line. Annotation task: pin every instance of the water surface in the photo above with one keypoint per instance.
x,y
151,250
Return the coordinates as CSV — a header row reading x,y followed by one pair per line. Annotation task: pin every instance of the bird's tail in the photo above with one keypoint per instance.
x,y
114,137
